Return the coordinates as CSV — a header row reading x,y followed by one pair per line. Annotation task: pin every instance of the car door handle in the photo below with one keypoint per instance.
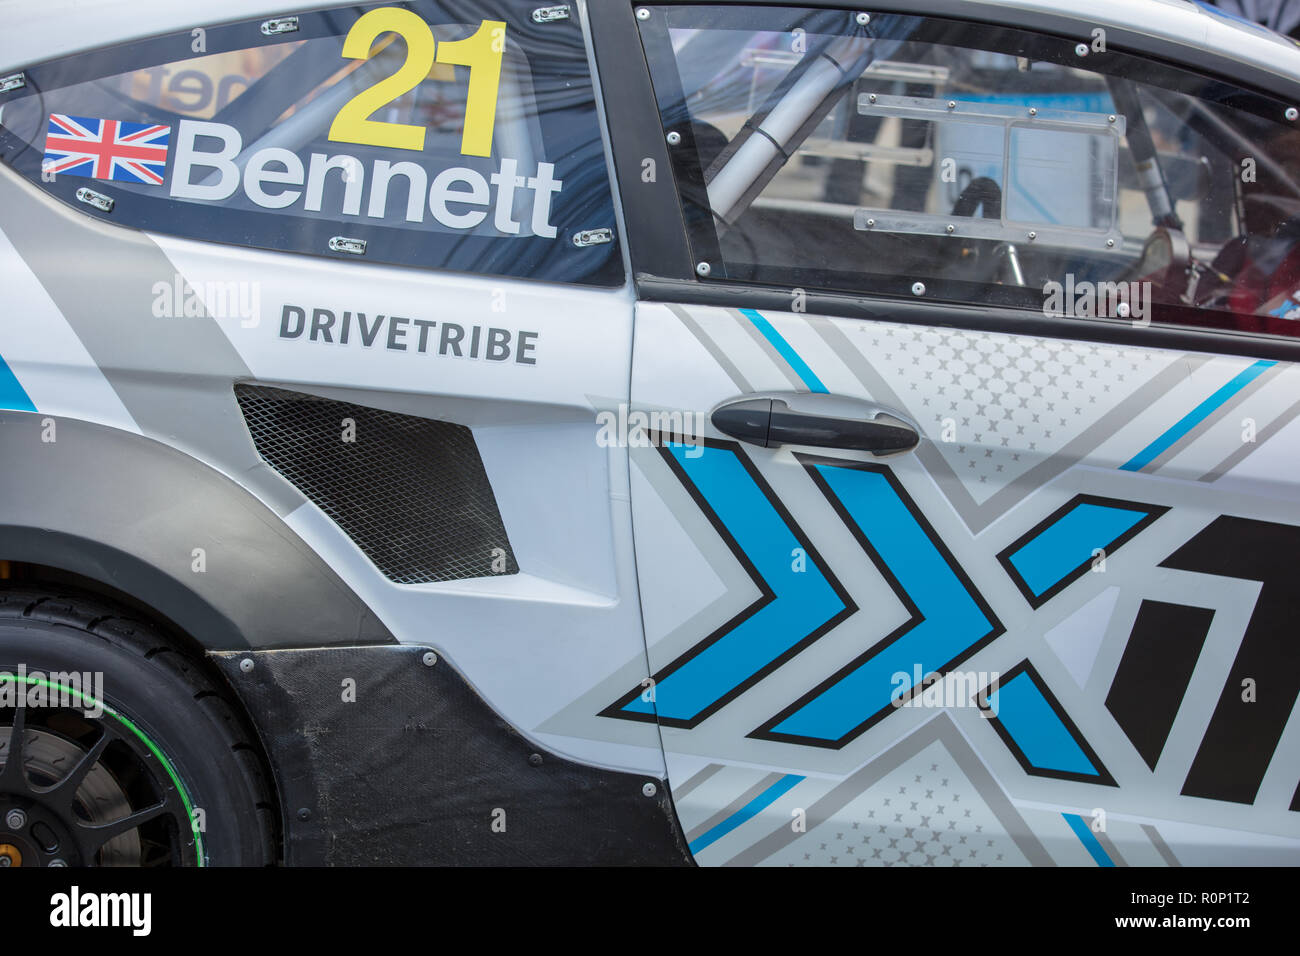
x,y
816,420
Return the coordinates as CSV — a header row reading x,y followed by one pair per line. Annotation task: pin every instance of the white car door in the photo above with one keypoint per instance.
x,y
967,492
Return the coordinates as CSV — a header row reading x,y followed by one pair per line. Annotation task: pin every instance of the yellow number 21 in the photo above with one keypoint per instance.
x,y
481,52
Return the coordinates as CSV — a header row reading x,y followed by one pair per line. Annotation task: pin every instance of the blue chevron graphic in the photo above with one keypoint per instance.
x,y
800,600
1062,547
1037,730
949,619
1059,549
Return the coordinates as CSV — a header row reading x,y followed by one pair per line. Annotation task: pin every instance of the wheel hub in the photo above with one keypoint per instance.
x,y
42,832
64,803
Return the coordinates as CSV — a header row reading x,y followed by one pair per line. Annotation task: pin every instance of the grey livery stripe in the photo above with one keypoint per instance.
x,y
1216,416
683,789
769,350
1247,448
174,375
1108,845
1161,846
712,348
734,807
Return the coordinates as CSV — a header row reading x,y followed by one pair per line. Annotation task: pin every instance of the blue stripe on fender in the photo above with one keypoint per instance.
x,y
801,600
787,352
949,620
747,812
12,394
1081,829
1195,417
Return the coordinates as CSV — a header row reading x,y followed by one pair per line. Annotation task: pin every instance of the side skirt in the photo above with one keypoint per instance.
x,y
382,759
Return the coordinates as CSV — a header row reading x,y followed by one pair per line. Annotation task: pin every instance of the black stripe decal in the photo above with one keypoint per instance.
x,y
1245,727
1154,672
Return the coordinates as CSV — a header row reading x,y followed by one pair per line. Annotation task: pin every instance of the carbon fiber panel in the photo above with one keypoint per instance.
x,y
419,770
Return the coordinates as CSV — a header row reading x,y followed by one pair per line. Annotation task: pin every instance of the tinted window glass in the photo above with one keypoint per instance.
x,y
458,135
975,164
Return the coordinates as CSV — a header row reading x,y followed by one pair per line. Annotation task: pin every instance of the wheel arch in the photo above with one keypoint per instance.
x,y
148,522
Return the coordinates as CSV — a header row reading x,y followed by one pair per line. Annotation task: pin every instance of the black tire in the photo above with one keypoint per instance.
x,y
170,700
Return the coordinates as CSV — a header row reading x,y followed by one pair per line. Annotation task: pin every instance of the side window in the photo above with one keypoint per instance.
x,y
457,136
921,157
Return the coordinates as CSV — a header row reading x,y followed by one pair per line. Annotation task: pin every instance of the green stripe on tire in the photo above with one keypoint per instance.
x,y
153,748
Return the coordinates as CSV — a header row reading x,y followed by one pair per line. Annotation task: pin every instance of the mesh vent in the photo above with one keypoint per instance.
x,y
411,492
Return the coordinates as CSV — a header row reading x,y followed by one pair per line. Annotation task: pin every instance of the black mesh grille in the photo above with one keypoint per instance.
x,y
411,492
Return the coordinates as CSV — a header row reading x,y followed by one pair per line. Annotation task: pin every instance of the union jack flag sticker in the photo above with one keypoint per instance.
x,y
106,149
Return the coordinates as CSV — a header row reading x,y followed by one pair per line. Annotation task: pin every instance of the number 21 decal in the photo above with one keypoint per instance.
x,y
481,52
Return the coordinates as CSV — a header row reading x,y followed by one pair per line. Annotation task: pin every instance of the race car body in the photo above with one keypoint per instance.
x,y
485,431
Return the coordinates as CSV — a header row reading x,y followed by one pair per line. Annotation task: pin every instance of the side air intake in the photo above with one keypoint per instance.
x,y
410,492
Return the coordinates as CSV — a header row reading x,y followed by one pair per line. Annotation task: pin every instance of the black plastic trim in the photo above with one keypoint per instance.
x,y
819,431
747,420
656,231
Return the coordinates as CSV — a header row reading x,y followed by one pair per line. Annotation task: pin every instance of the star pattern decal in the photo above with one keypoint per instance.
x,y
924,813
1014,400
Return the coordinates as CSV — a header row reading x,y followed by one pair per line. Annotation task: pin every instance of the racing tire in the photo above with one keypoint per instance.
x,y
165,774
